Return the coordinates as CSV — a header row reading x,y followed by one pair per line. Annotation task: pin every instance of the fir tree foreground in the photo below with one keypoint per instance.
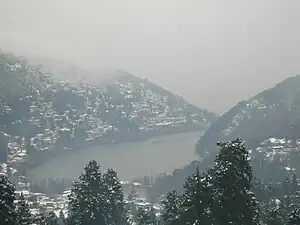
x,y
220,196
7,197
223,195
97,199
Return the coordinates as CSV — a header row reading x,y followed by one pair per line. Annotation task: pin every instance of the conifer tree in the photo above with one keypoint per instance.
x,y
232,183
7,197
51,219
24,217
145,217
115,198
88,203
142,217
274,213
197,203
172,209
39,219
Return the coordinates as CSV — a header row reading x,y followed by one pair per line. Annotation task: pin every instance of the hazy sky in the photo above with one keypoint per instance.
x,y
212,52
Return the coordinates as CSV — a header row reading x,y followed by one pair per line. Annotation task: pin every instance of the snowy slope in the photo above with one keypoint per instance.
x,y
269,113
40,113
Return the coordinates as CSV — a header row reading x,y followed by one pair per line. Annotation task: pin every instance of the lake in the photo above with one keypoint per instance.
x,y
131,159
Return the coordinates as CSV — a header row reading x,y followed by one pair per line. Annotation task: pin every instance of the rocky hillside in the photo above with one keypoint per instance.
x,y
272,113
40,114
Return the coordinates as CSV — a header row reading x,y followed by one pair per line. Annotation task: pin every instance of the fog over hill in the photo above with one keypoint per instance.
x,y
43,117
66,69
213,53
138,87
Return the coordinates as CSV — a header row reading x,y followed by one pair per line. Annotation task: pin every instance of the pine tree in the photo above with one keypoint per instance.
x,y
142,217
232,183
145,217
39,219
24,217
7,197
51,219
274,213
172,209
115,198
88,203
197,203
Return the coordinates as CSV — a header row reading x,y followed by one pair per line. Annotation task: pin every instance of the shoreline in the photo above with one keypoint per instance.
x,y
132,160
34,161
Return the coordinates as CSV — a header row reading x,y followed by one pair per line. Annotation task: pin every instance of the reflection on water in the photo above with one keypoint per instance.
x,y
131,160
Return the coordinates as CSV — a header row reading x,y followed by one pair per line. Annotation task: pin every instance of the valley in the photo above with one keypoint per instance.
x,y
54,132
149,113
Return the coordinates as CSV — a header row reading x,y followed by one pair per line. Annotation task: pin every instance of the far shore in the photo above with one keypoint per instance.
x,y
36,160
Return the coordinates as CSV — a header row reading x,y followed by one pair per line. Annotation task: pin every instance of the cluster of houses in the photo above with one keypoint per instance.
x,y
275,146
63,114
134,192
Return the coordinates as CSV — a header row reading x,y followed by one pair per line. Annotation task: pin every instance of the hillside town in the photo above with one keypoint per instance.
x,y
41,203
62,115
135,192
127,108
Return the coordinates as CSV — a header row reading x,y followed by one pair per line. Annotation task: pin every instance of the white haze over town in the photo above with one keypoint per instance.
x,y
213,53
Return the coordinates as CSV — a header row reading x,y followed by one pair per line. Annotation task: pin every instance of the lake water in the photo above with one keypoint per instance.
x,y
131,160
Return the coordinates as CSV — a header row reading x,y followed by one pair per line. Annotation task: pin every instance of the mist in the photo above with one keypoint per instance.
x,y
213,53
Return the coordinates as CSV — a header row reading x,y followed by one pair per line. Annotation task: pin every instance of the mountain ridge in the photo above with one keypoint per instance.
x,y
269,113
264,122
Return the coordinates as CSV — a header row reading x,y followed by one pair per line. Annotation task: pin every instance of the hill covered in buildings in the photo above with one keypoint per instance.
x,y
272,113
269,124
40,114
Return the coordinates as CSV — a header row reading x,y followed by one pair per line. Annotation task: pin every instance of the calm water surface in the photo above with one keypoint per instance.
x,y
131,160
